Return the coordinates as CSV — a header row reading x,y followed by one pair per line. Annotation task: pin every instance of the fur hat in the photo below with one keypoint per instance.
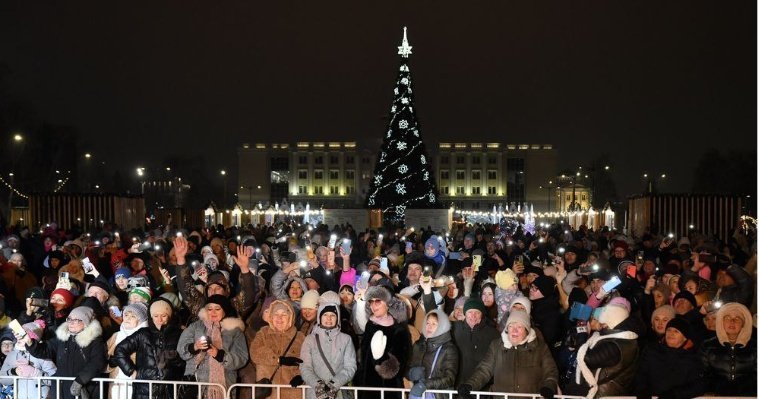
x,y
140,310
218,277
612,315
310,300
666,310
83,313
521,317
224,302
377,292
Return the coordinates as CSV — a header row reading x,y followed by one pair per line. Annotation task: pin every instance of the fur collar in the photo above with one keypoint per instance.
x,y
84,338
227,323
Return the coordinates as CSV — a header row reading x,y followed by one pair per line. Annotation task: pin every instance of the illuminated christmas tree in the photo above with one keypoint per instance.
x,y
403,176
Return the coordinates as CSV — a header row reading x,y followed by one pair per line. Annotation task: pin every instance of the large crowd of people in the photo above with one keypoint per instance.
x,y
553,311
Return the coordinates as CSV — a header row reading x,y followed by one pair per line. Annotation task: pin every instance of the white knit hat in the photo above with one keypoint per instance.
x,y
613,314
310,300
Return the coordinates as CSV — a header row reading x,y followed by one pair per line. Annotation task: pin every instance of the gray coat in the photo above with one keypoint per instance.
x,y
339,351
235,348
27,388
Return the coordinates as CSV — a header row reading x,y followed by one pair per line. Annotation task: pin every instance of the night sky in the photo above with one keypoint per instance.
x,y
651,83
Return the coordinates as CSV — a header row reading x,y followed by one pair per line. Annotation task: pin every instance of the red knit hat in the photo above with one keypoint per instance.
x,y
68,297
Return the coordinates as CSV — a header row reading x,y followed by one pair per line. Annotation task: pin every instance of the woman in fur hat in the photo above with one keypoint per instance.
x,y
151,352
214,346
276,348
435,359
78,351
329,360
135,317
385,346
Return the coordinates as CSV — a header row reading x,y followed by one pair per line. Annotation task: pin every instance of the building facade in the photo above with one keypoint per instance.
x,y
337,174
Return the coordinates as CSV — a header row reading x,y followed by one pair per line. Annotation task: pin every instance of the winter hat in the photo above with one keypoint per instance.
x,y
68,297
686,295
612,315
506,279
329,297
329,308
140,310
310,300
161,305
211,261
621,301
143,292
524,301
681,324
476,304
734,309
434,243
346,287
7,335
443,324
172,298
281,305
683,241
224,302
374,262
205,251
34,292
57,254
470,236
35,329
620,244
521,317
122,272
218,277
622,267
83,313
377,292
101,285
664,310
546,285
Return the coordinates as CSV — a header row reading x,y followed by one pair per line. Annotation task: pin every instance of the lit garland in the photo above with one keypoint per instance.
x,y
60,186
13,189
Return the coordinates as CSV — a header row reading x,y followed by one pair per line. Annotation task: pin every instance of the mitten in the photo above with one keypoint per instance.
x,y
465,391
547,393
379,341
76,389
296,381
289,361
418,389
416,373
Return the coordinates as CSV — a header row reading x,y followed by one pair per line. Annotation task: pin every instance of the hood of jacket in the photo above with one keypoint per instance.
x,y
318,324
531,336
84,337
443,326
286,286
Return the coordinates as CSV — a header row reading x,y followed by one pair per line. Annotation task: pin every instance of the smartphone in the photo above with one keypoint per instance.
x,y
40,302
16,327
332,241
454,255
611,284
561,250
639,258
65,275
409,245
346,245
632,271
116,311
383,262
707,258
580,311
476,262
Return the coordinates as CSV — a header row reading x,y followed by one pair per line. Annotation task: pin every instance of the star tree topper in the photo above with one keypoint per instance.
x,y
404,49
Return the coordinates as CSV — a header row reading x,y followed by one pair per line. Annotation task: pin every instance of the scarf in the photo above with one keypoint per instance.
x,y
122,335
385,321
591,378
216,369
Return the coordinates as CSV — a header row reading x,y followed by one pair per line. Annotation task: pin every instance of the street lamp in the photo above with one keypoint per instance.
x,y
224,180
17,137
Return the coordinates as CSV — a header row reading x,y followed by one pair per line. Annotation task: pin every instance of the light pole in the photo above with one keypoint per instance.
x,y
18,139
224,182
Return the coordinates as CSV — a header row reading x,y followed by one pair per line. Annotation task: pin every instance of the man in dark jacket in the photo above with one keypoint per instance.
x,y
735,285
473,337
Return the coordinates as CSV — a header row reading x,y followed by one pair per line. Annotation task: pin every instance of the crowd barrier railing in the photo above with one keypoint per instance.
x,y
33,387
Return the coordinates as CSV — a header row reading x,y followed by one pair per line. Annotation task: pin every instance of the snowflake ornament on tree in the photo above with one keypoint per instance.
x,y
403,169
404,100
422,159
377,179
400,188
401,145
402,124
426,176
400,209
432,197
404,81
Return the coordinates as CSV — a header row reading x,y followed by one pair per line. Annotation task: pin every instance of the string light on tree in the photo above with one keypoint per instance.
x,y
402,175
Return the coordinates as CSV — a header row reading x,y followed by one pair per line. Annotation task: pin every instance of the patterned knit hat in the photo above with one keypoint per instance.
x,y
35,329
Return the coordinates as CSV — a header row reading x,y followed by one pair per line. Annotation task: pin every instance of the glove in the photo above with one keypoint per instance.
x,y
289,361
465,391
296,381
76,389
321,390
378,344
26,370
418,389
416,373
547,393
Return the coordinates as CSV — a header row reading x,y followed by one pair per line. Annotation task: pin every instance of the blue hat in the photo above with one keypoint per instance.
x,y
122,272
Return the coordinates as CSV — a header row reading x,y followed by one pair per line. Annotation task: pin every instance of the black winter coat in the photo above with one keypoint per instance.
x,y
443,376
82,356
388,370
730,370
157,359
473,344
669,373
